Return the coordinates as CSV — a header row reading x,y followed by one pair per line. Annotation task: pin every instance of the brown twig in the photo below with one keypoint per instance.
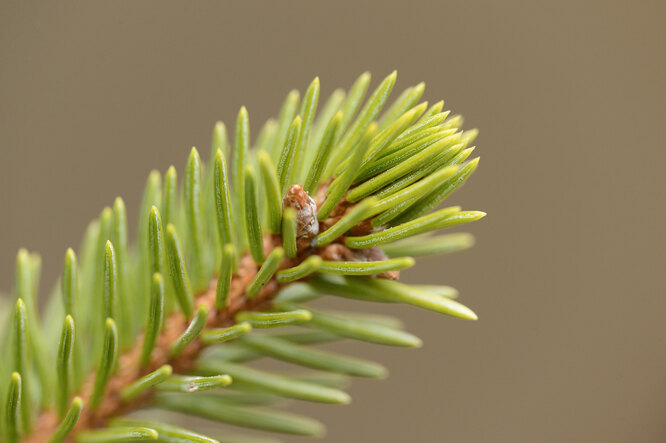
x,y
129,368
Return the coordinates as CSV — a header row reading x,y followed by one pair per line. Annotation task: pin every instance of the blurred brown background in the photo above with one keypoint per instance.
x,y
569,99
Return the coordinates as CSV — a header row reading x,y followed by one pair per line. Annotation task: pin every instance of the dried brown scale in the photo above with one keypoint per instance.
x,y
334,252
129,368
363,228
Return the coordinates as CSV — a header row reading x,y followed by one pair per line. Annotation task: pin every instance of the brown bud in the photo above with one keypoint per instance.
x,y
307,226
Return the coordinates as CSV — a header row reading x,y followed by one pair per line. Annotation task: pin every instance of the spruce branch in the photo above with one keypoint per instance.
x,y
332,203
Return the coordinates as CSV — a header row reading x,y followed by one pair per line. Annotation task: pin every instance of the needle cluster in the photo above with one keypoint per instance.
x,y
328,200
